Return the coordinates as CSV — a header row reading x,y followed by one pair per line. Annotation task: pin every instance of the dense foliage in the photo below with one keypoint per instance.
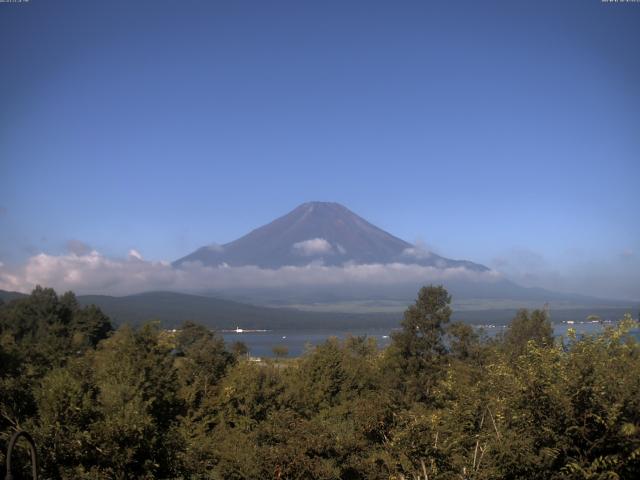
x,y
442,402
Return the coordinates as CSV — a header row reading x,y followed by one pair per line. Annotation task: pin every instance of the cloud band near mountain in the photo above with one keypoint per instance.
x,y
92,272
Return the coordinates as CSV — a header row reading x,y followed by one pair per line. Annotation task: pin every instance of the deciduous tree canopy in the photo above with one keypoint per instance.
x,y
441,402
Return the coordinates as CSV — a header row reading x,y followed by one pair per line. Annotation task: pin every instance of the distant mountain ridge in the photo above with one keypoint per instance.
x,y
320,232
172,309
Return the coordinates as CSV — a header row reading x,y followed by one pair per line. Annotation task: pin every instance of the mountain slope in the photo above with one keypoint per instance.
x,y
319,232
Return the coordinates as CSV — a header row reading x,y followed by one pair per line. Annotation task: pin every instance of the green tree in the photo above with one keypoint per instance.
x,y
204,361
39,333
417,353
464,342
137,399
525,327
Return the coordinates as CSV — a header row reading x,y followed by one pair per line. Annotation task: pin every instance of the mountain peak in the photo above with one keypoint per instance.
x,y
320,204
316,205
324,232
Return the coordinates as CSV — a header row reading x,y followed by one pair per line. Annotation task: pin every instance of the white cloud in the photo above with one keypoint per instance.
x,y
135,255
95,273
313,246
92,272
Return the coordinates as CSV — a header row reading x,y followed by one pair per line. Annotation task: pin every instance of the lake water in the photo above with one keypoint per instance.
x,y
260,344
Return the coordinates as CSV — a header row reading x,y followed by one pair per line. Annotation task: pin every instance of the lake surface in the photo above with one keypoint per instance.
x,y
260,344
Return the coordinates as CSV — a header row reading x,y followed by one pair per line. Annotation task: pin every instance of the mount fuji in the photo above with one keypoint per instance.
x,y
324,233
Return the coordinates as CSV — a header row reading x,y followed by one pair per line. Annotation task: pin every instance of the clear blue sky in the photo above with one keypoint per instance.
x,y
507,133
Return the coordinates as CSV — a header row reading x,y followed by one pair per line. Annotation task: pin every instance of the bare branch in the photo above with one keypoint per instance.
x,y
424,469
494,424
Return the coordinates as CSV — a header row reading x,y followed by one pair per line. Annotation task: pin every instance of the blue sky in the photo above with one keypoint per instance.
x,y
507,133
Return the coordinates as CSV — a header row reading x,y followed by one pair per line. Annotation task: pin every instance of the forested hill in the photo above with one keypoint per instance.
x,y
6,296
174,308
171,309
